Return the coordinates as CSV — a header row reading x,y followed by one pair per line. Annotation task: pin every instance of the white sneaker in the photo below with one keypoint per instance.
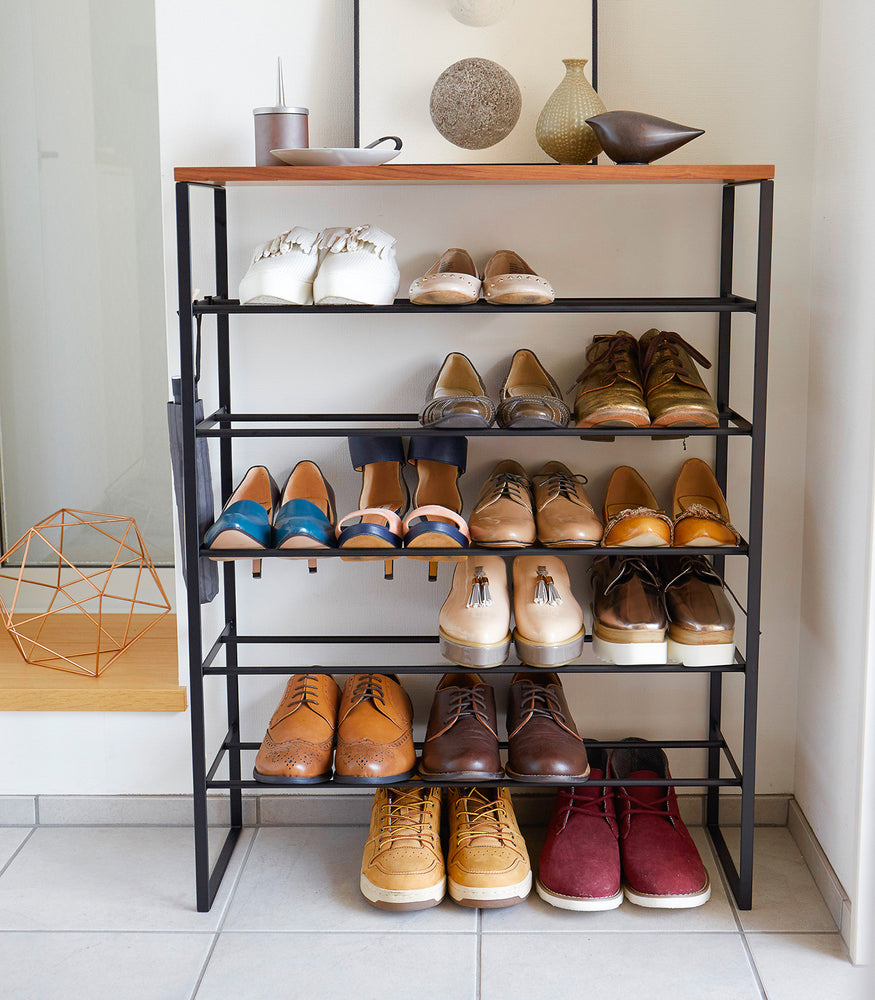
x,y
282,270
357,266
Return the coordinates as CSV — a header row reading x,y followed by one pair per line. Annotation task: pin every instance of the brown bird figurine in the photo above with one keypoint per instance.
x,y
633,137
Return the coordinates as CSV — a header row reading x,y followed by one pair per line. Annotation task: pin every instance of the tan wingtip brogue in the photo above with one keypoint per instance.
x,y
374,732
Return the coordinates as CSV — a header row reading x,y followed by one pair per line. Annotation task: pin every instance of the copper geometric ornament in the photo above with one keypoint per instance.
x,y
49,586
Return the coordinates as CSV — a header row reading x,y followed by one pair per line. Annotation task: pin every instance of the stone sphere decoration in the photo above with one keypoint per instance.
x,y
475,103
479,13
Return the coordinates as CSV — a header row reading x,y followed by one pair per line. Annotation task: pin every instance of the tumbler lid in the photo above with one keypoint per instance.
x,y
281,110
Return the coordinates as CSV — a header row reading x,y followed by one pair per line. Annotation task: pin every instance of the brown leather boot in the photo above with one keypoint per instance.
x,y
374,732
299,741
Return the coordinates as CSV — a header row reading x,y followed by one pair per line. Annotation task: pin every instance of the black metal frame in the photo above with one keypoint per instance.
x,y
221,423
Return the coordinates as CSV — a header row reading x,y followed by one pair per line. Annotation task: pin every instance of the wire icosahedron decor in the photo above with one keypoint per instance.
x,y
65,591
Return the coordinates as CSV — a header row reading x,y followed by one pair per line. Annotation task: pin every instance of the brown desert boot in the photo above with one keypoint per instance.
x,y
487,861
610,388
299,741
461,742
402,865
543,742
374,732
673,388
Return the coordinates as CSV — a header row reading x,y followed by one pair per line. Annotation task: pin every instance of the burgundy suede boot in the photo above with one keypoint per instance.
x,y
661,866
580,863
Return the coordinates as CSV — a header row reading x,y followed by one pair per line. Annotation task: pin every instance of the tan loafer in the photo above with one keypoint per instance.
x,y
509,281
673,388
503,515
475,617
610,388
374,732
563,511
549,622
457,397
299,741
450,281
701,516
530,396
633,516
487,861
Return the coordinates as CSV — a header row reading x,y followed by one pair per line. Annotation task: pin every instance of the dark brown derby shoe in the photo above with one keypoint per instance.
x,y
461,742
543,742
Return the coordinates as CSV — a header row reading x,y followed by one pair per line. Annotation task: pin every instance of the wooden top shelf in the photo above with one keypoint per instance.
x,y
479,173
143,679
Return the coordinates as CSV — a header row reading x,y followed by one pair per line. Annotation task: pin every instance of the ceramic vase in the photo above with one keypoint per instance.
x,y
562,131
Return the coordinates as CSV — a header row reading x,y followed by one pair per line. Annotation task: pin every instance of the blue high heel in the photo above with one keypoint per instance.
x,y
306,515
245,521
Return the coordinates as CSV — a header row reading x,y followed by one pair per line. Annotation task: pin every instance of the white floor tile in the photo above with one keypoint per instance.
x,y
536,915
17,810
808,967
11,839
620,966
785,897
307,879
104,878
93,966
341,966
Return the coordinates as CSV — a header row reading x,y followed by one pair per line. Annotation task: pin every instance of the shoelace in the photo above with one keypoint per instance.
x,y
479,816
561,484
655,808
671,342
468,701
539,700
508,486
583,804
406,816
699,566
305,691
629,565
615,356
369,686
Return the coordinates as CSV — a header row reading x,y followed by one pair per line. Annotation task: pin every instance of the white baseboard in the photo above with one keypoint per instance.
x,y
821,870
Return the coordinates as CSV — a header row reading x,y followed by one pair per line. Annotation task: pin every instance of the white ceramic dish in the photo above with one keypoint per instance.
x,y
367,156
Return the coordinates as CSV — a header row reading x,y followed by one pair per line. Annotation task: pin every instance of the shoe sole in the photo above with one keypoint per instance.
x,y
358,779
402,899
471,655
520,423
463,420
686,417
284,779
490,898
589,903
550,655
463,777
548,779
629,653
700,655
684,902
616,418
273,291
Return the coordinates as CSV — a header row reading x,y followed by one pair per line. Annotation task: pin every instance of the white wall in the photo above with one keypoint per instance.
x,y
836,654
752,91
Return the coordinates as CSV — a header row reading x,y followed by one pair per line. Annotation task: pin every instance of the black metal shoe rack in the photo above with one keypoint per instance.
x,y
225,424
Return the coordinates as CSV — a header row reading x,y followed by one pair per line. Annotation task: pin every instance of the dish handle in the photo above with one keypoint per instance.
x,y
386,138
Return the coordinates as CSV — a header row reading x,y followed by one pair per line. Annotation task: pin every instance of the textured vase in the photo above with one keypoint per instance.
x,y
562,131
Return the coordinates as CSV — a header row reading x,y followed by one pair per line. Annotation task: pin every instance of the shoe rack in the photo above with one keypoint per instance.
x,y
226,424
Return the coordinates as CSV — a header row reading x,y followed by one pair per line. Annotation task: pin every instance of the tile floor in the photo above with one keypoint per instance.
x,y
107,912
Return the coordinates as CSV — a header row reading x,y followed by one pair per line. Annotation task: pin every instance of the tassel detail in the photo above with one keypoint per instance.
x,y
545,589
306,239
480,596
342,240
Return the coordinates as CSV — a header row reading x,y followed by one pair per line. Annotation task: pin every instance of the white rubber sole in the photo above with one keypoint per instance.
x,y
403,899
686,902
272,289
494,896
577,902
347,291
718,655
630,654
